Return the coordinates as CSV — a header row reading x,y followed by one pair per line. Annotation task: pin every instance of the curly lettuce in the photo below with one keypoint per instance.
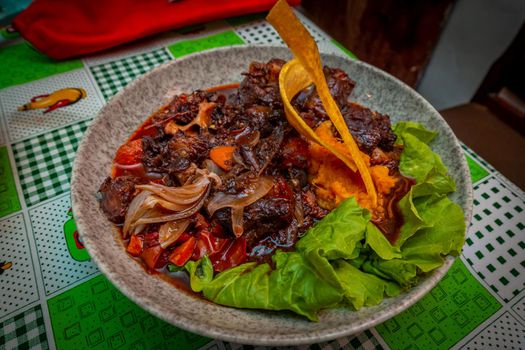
x,y
344,260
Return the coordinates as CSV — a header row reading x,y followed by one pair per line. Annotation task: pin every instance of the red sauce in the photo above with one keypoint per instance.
x,y
390,224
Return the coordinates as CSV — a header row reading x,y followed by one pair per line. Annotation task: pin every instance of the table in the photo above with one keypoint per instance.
x,y
53,296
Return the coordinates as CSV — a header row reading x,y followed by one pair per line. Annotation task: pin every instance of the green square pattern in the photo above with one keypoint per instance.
x,y
495,243
10,202
477,172
44,162
24,331
21,64
95,315
456,306
364,340
111,77
187,47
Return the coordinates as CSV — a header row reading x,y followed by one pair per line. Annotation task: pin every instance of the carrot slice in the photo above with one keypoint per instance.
x,y
223,156
305,50
183,253
136,245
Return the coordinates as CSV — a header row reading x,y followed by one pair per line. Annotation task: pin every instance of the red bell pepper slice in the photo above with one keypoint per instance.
x,y
207,244
232,255
183,253
130,153
151,256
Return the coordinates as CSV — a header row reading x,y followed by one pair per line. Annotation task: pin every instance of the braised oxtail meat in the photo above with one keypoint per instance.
x,y
340,86
183,108
369,128
228,177
308,103
115,196
261,85
170,155
294,153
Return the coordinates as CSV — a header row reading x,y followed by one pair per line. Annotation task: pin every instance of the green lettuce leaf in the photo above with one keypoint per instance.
x,y
293,285
337,236
433,225
398,270
442,234
414,129
380,244
361,288
201,273
419,162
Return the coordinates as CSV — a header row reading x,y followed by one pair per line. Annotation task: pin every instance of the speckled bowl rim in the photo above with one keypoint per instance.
x,y
258,338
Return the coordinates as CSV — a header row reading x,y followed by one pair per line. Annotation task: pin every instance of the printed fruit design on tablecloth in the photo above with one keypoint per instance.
x,y
5,266
58,99
74,243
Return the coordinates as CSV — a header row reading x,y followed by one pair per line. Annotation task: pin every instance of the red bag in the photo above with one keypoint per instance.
x,y
63,29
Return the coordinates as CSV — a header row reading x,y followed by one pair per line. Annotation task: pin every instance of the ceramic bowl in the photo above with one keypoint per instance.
x,y
131,106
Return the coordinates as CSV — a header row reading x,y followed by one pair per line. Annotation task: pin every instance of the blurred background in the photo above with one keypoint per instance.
x,y
466,57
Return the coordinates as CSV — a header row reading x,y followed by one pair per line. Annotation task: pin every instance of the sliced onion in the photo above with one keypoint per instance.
x,y
299,212
153,212
186,194
248,137
135,166
240,200
237,202
136,209
171,231
212,167
216,178
170,205
237,227
178,215
150,205
203,119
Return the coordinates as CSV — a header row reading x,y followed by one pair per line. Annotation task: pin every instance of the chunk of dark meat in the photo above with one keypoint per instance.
x,y
340,86
236,180
308,103
388,159
183,108
269,214
268,148
294,153
262,246
310,206
261,85
369,128
173,155
115,196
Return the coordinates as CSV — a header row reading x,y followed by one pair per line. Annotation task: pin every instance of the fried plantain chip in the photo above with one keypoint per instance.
x,y
293,79
305,50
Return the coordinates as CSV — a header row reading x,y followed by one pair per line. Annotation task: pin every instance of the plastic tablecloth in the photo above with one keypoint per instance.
x,y
53,296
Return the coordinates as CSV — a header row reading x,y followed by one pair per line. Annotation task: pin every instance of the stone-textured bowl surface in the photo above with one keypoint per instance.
x,y
129,108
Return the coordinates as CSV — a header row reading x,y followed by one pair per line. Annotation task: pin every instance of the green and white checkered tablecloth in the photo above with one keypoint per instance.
x,y
53,296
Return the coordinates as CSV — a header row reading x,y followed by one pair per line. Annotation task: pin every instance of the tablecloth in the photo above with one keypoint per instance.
x,y
53,296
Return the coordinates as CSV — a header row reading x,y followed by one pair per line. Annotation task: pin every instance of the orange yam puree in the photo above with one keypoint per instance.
x,y
334,181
